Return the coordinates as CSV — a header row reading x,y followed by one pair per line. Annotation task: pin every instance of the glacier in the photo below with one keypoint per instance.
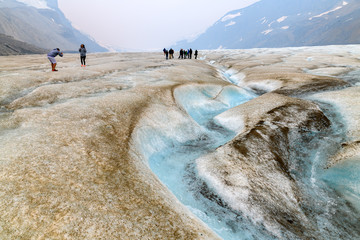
x,y
242,144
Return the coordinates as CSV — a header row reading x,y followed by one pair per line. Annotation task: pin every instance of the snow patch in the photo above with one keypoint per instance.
x,y
325,13
263,20
282,19
230,24
39,4
230,16
271,23
266,32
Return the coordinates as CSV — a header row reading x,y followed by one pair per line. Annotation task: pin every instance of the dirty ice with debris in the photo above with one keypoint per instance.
x,y
239,144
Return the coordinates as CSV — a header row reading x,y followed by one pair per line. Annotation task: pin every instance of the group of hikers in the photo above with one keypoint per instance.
x,y
56,52
183,54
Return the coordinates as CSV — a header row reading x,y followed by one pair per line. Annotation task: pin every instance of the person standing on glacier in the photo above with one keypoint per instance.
x,y
181,54
82,51
166,53
51,56
171,53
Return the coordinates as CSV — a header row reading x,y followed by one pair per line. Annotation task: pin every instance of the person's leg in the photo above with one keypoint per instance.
x,y
53,63
83,62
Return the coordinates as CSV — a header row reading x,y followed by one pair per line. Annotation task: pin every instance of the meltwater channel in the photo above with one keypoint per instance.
x,y
176,168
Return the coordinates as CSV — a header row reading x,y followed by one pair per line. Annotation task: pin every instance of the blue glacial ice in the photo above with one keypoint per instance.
x,y
345,179
173,142
204,102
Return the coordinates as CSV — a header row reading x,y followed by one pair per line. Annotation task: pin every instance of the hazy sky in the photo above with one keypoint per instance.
x,y
145,24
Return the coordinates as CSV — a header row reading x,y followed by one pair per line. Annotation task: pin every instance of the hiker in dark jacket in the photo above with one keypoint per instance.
x,y
171,53
196,54
190,53
51,56
181,54
166,53
82,51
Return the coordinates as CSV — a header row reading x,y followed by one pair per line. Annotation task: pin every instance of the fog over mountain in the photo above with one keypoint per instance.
x,y
283,23
42,23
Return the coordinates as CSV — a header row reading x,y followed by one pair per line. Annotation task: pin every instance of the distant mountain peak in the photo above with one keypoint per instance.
x,y
43,24
283,23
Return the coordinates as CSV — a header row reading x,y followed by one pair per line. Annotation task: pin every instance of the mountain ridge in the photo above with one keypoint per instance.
x,y
47,29
10,46
300,23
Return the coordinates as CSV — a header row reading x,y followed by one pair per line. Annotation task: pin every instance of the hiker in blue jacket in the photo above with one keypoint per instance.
x,y
51,56
82,51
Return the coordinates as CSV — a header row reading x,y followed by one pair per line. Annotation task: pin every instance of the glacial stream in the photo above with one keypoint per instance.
x,y
175,167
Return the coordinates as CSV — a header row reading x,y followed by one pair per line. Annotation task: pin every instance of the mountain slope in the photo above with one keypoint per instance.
x,y
10,46
284,23
42,24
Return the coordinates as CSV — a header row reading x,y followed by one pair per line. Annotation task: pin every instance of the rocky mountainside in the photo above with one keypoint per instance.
x,y
41,23
10,46
284,23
